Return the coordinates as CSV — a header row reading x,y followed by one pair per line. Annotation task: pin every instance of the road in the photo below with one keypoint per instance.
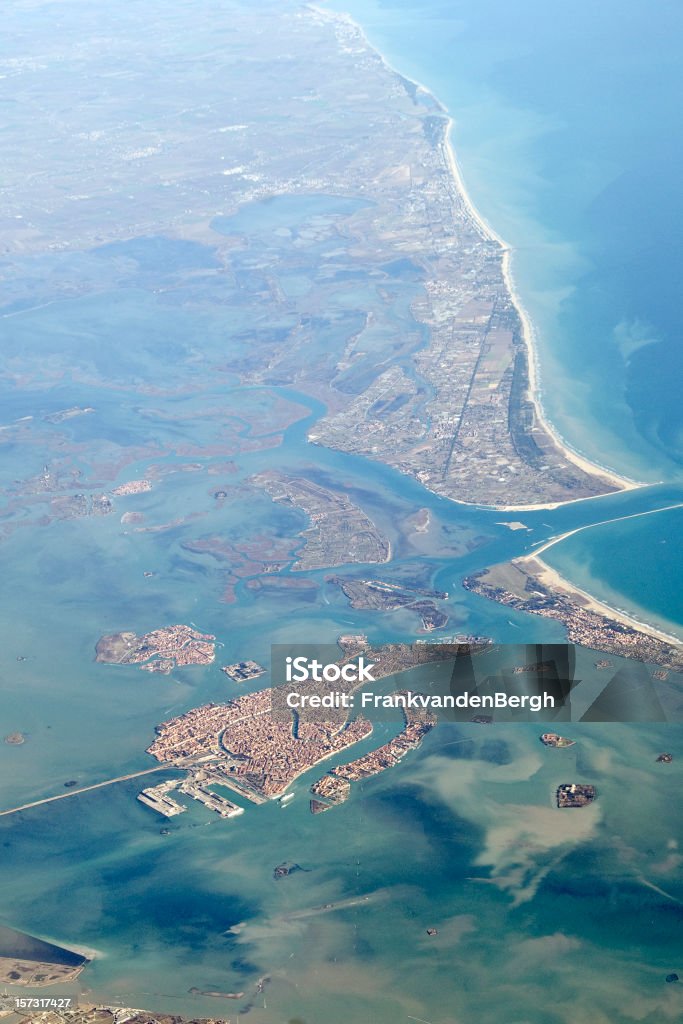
x,y
87,789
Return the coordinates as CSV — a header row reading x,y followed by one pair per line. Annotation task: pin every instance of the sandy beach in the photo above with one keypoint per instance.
x,y
557,583
544,572
584,463
528,335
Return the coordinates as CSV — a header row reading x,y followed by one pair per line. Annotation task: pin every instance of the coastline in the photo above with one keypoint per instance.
x,y
583,462
604,522
620,482
623,483
87,953
554,580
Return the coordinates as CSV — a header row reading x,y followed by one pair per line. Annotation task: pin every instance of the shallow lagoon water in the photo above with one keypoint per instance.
x,y
462,836
482,857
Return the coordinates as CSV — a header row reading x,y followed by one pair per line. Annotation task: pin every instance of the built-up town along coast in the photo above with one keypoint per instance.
x,y
249,744
252,744
519,584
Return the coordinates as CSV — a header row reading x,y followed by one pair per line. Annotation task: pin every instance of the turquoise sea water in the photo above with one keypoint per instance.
x,y
635,565
462,836
542,919
565,129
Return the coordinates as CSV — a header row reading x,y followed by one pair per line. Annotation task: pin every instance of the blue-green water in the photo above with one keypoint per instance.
x,y
566,132
635,565
483,858
583,909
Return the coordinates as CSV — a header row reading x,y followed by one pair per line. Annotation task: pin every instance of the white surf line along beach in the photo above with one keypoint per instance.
x,y
530,341
528,333
552,578
589,466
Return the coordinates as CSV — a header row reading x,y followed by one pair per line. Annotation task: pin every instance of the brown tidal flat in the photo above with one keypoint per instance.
x,y
33,974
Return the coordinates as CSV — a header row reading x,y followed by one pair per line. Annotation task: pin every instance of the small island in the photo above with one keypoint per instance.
x,y
76,506
67,414
15,739
216,993
241,671
575,794
285,869
158,651
328,792
552,739
132,517
382,595
133,487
